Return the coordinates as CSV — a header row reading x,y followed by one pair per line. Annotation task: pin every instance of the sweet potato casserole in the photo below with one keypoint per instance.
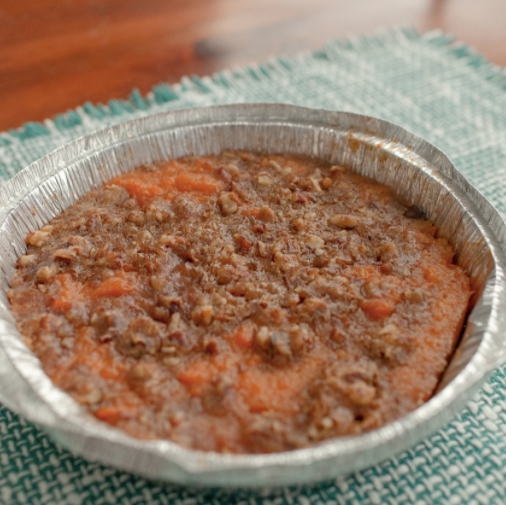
x,y
241,303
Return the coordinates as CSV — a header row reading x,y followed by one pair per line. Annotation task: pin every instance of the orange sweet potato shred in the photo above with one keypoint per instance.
x,y
241,303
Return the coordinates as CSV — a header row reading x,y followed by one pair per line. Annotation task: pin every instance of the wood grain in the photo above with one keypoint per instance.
x,y
58,54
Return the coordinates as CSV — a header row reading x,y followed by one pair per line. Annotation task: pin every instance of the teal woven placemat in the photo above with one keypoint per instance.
x,y
427,83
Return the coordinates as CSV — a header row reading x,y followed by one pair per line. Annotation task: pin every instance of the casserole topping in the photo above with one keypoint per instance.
x,y
242,302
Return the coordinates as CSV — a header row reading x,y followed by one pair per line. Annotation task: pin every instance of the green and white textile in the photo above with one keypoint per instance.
x,y
439,89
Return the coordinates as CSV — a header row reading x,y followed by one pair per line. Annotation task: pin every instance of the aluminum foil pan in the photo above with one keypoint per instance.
x,y
391,155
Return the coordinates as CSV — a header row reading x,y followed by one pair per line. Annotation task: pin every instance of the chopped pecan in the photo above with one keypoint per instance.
x,y
65,254
265,180
326,183
315,242
45,274
388,252
27,260
267,214
346,221
281,343
136,217
202,315
227,204
38,238
262,249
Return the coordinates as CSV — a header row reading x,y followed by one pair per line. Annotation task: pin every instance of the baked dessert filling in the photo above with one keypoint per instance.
x,y
243,303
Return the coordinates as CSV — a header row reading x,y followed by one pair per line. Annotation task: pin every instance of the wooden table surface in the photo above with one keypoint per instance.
x,y
58,54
